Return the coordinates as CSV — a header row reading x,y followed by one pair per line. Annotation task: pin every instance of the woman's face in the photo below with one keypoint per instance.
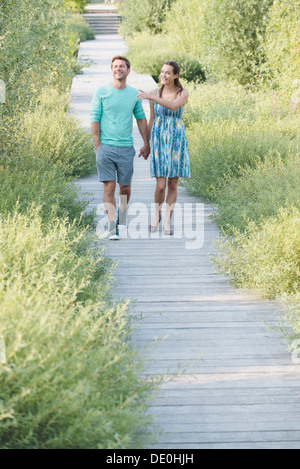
x,y
167,75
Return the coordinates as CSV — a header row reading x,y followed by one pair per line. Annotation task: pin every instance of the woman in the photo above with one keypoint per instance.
x,y
169,149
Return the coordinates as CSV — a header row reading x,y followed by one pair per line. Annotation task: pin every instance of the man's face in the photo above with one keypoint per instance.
x,y
119,70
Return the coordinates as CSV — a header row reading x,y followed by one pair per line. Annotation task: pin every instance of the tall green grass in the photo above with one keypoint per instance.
x,y
245,159
72,379
148,53
54,134
266,256
260,192
30,179
219,150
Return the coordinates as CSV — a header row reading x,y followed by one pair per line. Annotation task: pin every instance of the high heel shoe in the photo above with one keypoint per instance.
x,y
153,228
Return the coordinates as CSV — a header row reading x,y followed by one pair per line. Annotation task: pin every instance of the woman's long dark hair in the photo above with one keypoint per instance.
x,y
176,71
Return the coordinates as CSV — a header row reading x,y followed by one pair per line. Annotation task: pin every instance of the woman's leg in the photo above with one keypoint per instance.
x,y
159,198
171,200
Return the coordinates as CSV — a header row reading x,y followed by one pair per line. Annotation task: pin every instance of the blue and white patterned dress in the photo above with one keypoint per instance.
x,y
169,148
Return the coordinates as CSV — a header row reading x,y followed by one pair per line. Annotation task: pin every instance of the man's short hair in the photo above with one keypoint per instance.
x,y
120,57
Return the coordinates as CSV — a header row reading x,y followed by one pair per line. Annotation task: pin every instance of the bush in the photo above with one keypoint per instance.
x,y
76,5
259,192
72,379
266,257
37,52
224,101
143,16
33,180
184,27
219,150
234,35
53,133
148,54
283,44
81,28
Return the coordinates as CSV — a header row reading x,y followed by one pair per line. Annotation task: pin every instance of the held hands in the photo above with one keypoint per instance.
x,y
145,151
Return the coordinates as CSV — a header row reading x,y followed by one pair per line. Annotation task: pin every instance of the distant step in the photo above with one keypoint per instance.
x,y
103,21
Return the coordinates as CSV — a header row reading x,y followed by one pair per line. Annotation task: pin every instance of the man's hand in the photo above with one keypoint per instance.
x,y
145,151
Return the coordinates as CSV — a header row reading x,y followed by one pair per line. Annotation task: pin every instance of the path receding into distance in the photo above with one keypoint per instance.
x,y
236,384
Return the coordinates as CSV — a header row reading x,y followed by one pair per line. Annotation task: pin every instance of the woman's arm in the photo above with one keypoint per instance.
x,y
172,105
151,119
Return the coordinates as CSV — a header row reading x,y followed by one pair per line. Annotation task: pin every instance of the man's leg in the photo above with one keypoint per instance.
x,y
125,193
109,200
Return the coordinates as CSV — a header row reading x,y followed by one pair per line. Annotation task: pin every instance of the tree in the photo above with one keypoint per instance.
x,y
283,43
184,25
143,15
234,35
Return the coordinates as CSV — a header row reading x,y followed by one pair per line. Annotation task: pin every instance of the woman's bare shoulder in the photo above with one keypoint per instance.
x,y
185,92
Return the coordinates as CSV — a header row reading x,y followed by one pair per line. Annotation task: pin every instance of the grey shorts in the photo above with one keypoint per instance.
x,y
115,162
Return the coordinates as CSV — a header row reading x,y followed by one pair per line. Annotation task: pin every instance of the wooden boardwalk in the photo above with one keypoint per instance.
x,y
236,385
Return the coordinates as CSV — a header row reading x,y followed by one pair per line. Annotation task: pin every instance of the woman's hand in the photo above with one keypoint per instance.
x,y
144,95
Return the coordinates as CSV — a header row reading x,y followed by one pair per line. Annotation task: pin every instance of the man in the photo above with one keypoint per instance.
x,y
112,110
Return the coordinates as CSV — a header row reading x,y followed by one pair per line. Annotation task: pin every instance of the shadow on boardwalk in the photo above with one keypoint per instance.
x,y
237,386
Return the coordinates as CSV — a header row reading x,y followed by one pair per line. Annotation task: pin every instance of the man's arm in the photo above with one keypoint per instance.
x,y
95,126
143,128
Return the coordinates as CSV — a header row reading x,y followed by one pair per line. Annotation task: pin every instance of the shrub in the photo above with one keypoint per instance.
x,y
143,15
32,180
53,133
37,51
148,54
76,5
72,379
266,257
184,27
223,101
283,44
234,34
220,149
81,28
259,192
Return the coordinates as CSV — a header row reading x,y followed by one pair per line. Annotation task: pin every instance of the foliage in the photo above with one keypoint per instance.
x,y
184,27
148,53
53,133
234,32
143,16
219,150
72,379
37,51
223,101
30,179
76,5
283,44
79,26
259,192
265,257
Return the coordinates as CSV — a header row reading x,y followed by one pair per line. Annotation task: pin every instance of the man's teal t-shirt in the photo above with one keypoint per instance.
x,y
114,110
